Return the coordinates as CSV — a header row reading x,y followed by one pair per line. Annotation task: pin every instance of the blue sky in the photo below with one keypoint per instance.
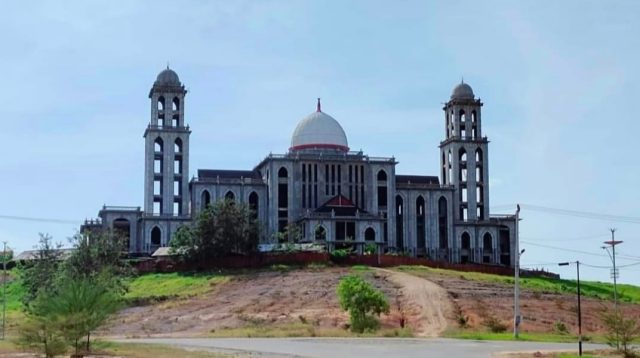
x,y
559,80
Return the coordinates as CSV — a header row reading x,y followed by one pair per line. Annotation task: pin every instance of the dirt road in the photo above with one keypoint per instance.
x,y
428,304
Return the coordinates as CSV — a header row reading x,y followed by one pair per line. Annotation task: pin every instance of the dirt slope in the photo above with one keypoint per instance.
x,y
428,304
297,297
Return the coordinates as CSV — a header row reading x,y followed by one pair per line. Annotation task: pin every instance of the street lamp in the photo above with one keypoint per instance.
x,y
579,311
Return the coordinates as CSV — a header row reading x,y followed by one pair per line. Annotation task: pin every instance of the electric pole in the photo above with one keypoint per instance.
x,y
614,273
516,290
4,286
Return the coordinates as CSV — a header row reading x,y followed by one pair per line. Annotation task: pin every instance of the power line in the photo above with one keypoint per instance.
x,y
583,214
577,238
625,257
44,220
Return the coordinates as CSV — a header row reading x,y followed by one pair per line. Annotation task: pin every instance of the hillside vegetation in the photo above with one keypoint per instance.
x,y
600,290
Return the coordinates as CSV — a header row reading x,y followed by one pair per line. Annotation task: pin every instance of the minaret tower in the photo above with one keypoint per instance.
x,y
464,155
166,179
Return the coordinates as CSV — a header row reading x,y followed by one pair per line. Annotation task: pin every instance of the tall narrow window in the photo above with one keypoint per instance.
x,y
156,236
399,223
157,145
205,199
176,104
283,199
177,146
382,188
161,103
177,166
442,223
420,223
253,204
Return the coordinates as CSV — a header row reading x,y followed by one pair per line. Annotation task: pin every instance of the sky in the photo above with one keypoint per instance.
x,y
559,82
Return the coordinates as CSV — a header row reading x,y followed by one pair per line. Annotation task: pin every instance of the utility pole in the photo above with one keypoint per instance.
x,y
4,286
579,310
614,273
516,290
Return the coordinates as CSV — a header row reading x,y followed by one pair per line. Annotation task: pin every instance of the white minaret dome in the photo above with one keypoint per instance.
x,y
319,131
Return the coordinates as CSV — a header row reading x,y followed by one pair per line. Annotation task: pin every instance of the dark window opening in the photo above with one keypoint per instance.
x,y
420,223
442,223
369,235
156,236
399,223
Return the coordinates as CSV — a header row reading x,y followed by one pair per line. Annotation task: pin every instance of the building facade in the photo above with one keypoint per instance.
x,y
334,196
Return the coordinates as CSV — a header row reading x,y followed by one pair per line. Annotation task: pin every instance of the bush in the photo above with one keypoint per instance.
x,y
494,324
560,328
363,301
370,249
340,254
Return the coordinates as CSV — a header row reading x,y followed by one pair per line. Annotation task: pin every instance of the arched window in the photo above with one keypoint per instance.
x,y
399,222
478,155
161,103
382,188
463,116
282,173
320,233
474,117
465,241
230,196
487,241
176,104
420,222
156,236
442,223
177,147
205,199
253,204
157,145
462,153
122,229
369,234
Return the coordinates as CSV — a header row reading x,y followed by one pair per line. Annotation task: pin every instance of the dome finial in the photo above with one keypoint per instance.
x,y
461,79
319,109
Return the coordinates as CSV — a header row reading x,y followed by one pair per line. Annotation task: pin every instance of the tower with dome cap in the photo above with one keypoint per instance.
x,y
166,179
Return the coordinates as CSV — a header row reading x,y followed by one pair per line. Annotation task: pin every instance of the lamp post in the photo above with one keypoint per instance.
x,y
579,311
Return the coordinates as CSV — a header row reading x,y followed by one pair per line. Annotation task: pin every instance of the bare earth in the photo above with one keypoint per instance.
x,y
479,300
428,304
285,298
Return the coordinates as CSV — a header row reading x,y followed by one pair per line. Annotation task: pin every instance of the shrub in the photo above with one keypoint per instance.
x,y
560,328
463,321
340,254
494,324
363,301
370,249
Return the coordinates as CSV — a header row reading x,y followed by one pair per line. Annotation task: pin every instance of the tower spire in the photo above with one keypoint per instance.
x,y
319,109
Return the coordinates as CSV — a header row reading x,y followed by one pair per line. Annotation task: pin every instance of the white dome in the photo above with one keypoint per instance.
x,y
319,131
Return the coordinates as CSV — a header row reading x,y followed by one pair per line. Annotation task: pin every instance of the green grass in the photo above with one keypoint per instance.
x,y
168,285
601,290
508,336
300,329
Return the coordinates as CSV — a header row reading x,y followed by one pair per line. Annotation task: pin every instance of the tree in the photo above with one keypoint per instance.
x,y
97,256
39,275
225,228
363,301
620,331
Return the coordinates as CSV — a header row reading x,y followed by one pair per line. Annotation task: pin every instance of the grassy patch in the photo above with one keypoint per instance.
x,y
302,330
601,290
360,268
159,286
